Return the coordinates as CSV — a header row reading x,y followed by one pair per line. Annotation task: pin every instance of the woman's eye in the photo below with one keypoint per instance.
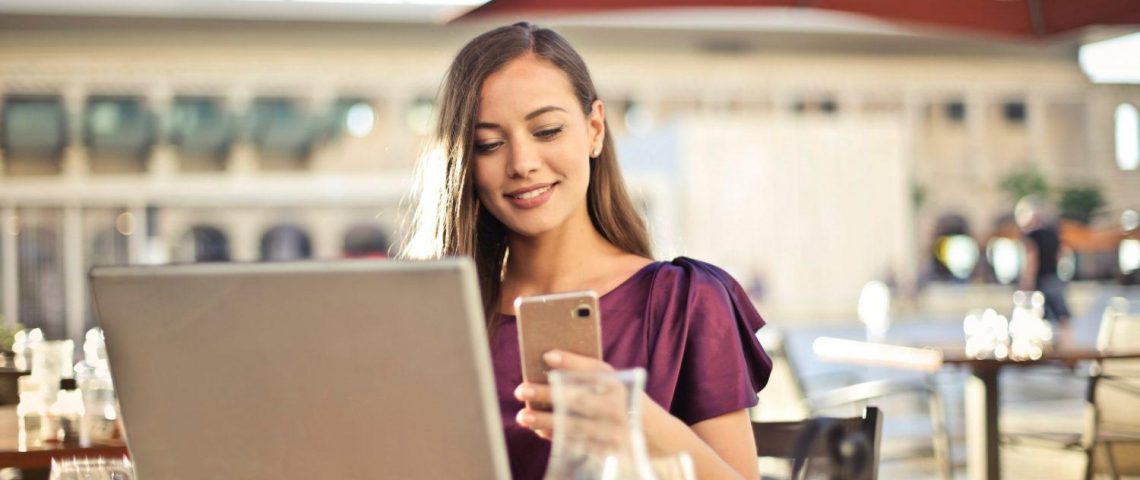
x,y
487,147
548,133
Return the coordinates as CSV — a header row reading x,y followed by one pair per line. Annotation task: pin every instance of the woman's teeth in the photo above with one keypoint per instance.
x,y
532,193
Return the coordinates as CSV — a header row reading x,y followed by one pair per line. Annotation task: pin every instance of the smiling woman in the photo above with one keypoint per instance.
x,y
511,152
525,180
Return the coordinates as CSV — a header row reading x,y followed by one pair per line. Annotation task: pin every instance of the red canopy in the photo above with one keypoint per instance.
x,y
1018,18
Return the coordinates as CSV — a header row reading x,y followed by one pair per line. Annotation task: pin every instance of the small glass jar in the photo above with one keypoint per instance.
x,y
597,426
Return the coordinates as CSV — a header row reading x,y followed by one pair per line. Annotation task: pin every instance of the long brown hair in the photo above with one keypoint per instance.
x,y
449,219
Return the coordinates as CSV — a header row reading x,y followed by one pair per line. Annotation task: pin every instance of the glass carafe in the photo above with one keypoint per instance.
x,y
92,469
597,426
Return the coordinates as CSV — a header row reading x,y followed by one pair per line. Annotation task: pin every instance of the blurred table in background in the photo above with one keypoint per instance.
x,y
39,458
982,388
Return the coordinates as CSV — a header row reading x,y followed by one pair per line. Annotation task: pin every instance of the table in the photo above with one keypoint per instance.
x,y
982,388
39,458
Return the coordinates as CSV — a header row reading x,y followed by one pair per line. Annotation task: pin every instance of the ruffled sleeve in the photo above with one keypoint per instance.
x,y
705,360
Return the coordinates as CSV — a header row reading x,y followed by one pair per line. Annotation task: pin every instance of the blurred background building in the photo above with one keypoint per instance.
x,y
806,151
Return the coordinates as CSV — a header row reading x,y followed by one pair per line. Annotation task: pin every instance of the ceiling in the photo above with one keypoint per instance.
x,y
397,11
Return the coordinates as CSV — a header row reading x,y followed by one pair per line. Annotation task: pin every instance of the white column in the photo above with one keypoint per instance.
x,y
9,227
76,162
244,232
242,158
3,168
74,283
850,105
1099,131
318,106
977,108
1035,127
138,241
163,161
906,262
781,101
326,229
398,151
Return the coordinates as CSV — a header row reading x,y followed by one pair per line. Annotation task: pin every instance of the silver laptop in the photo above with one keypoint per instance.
x,y
346,370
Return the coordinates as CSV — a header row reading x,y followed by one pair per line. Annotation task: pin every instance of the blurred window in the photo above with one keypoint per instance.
x,y
33,133
828,106
954,252
203,243
955,111
819,104
1128,256
366,241
202,131
638,118
959,253
284,243
1127,137
1006,256
119,131
355,117
282,133
1014,112
419,115
40,270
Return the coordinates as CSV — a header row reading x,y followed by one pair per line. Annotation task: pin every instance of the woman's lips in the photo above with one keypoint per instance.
x,y
532,198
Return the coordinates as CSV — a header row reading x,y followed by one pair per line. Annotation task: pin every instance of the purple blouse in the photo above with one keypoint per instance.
x,y
688,323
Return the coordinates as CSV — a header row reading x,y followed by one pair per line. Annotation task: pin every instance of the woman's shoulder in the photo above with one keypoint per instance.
x,y
683,287
688,272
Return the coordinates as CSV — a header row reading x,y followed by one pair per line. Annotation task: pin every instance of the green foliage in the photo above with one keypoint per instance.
x,y
1081,202
8,334
1023,182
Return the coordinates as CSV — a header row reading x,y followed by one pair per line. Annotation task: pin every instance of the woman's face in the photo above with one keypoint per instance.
x,y
533,146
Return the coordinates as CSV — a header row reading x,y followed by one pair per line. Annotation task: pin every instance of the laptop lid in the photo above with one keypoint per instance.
x,y
346,369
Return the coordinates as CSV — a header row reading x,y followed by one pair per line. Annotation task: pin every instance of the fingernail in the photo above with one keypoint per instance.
x,y
524,392
524,418
552,358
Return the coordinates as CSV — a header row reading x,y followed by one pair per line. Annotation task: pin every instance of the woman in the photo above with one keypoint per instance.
x,y
529,187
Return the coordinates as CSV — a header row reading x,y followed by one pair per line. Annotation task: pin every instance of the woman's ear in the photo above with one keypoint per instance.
x,y
596,124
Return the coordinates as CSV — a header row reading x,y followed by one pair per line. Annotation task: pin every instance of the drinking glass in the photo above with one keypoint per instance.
x,y
597,426
92,469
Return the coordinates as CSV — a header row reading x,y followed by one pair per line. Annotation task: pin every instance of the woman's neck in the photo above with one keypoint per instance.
x,y
568,258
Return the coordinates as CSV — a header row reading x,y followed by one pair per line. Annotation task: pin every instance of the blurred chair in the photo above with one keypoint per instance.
x,y
9,386
846,448
859,394
1111,440
9,381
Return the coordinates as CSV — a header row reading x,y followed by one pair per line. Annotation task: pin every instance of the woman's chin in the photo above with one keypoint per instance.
x,y
531,229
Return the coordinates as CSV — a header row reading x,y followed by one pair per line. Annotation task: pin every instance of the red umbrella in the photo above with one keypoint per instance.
x,y
1017,18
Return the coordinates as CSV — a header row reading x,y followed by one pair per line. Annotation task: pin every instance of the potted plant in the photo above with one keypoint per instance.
x,y
1081,202
7,338
1024,181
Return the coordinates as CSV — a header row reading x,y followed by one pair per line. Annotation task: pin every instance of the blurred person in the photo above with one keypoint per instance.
x,y
1042,242
531,189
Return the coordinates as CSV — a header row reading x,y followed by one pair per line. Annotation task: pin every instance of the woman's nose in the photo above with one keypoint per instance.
x,y
524,160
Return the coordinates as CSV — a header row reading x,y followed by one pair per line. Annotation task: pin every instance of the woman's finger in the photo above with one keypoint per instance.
x,y
535,419
563,360
534,393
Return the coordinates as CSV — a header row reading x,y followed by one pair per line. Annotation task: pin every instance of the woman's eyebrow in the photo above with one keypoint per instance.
x,y
546,109
529,116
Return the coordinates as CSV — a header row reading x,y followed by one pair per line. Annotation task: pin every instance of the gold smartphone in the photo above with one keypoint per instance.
x,y
560,321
